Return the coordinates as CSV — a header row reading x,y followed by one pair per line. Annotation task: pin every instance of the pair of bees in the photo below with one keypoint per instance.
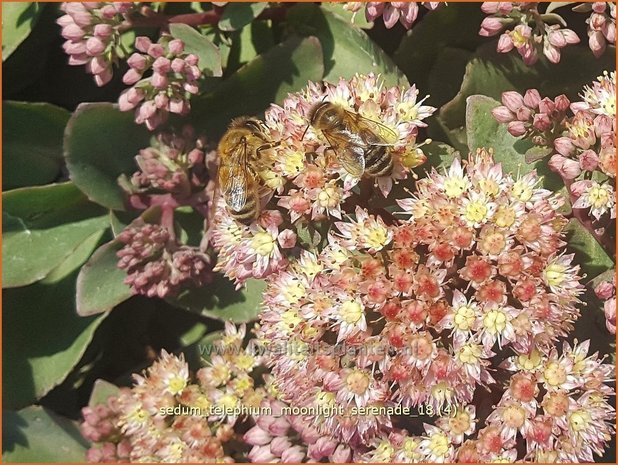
x,y
360,145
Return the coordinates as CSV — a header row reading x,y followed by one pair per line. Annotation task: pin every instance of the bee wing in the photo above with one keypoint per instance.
x,y
235,178
373,132
349,149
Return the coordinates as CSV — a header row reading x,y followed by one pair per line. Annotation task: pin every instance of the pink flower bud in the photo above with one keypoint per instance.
x,y
196,157
64,20
161,100
564,146
502,114
374,10
192,59
546,106
512,100
599,7
176,46
342,454
161,65
131,76
178,65
72,32
528,54
191,87
159,81
597,21
552,53
94,455
409,12
390,16
541,122
80,15
524,113
532,98
609,308
146,110
293,455
287,239
123,102
570,169
256,436
178,106
604,290
609,31
516,128
279,445
74,48
94,46
505,44
156,50
562,103
193,73
135,95
579,187
490,27
108,12
261,454
323,447
97,65
556,38
137,61
142,44
102,78
588,160
570,36
555,162
103,31
279,427
596,42
79,59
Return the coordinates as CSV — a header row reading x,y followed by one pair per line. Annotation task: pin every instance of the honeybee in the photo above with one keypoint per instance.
x,y
239,152
361,145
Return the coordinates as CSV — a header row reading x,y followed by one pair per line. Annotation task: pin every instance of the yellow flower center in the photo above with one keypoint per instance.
x,y
554,374
294,163
384,452
290,320
293,291
376,237
357,382
598,196
228,401
460,422
504,217
522,191
244,361
406,111
329,197
579,420
263,243
176,384
464,318
470,354
555,274
351,312
529,362
454,187
495,321
439,444
476,212
489,187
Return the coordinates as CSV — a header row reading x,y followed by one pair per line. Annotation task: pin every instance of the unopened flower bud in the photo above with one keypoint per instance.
x,y
532,98
516,128
541,122
502,114
604,290
176,46
562,102
588,160
142,44
490,27
512,100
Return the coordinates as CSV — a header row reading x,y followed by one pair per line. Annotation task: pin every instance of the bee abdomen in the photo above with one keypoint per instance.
x,y
247,213
378,161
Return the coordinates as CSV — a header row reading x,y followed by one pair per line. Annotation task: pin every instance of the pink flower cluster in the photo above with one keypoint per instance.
x,y
606,291
91,30
310,187
100,428
420,313
601,25
529,42
391,12
584,143
173,80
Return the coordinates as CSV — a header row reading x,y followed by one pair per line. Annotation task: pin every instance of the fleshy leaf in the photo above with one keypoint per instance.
x,y
41,227
28,160
100,284
100,143
347,49
221,301
200,45
238,15
268,78
101,391
484,131
588,252
46,337
18,19
36,434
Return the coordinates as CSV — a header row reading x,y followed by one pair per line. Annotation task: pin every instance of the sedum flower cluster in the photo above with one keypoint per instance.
x,y
307,186
172,79
391,12
92,33
429,313
172,174
583,143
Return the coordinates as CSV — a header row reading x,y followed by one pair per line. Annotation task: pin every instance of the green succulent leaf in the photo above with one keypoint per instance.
x,y
490,73
28,160
18,20
47,338
357,18
100,145
220,300
101,391
35,434
238,15
439,155
100,284
347,49
484,131
200,45
588,252
41,227
266,79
